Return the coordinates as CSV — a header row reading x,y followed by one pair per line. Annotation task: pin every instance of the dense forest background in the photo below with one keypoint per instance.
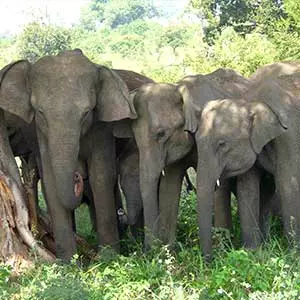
x,y
136,35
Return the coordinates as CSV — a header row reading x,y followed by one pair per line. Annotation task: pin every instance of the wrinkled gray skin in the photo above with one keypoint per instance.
x,y
253,206
273,70
162,144
24,143
231,135
128,162
236,85
72,102
127,169
166,150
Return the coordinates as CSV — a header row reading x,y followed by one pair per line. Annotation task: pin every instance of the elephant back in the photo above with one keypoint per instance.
x,y
230,80
274,70
132,79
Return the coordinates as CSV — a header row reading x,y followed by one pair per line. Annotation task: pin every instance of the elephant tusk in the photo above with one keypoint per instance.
x,y
163,172
121,212
218,183
122,216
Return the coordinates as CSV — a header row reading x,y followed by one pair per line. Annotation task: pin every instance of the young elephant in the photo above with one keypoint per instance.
x,y
166,150
231,135
72,103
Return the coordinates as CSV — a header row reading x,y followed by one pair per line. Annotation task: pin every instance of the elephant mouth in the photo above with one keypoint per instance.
x,y
78,184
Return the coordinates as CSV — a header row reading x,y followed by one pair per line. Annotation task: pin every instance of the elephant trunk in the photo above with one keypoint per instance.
x,y
151,167
69,182
207,175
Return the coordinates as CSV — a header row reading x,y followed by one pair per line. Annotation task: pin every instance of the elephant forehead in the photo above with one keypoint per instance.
x,y
224,117
161,99
166,118
64,65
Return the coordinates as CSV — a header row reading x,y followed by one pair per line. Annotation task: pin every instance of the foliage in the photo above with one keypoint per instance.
x,y
38,40
8,51
268,273
113,13
236,52
243,15
167,52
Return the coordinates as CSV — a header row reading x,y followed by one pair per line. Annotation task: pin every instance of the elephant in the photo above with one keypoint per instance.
x,y
166,150
24,144
73,105
274,70
232,134
237,85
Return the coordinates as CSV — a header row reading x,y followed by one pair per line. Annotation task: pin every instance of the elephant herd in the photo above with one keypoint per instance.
x,y
95,132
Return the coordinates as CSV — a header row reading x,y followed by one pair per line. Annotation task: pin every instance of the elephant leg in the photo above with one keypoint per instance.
x,y
268,200
137,230
102,176
287,180
169,195
222,202
248,195
130,184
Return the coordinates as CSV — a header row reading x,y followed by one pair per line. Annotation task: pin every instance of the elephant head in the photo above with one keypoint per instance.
x,y
230,133
63,95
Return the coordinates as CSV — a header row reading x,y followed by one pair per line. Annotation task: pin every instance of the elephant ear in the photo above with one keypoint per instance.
x,y
113,103
14,90
196,91
190,109
266,125
123,128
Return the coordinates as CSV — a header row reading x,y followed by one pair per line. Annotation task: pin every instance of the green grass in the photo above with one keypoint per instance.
x,y
271,272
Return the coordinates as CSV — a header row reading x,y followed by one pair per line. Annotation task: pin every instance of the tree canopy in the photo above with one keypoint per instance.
x,y
137,35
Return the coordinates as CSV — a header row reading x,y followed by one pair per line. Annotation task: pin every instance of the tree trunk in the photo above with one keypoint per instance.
x,y
16,239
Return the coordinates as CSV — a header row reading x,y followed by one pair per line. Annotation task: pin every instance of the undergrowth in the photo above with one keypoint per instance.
x,y
270,272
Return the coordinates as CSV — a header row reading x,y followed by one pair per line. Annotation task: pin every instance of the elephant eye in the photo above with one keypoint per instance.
x,y
222,145
40,111
160,133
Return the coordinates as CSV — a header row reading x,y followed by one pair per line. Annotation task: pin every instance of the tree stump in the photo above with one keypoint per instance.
x,y
17,243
